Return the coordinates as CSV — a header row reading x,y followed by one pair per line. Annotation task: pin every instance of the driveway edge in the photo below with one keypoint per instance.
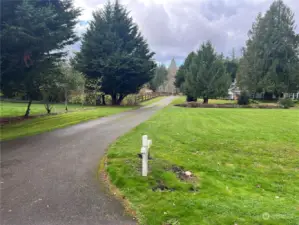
x,y
104,178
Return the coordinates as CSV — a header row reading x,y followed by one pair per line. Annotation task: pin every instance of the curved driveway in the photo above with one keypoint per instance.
x,y
51,178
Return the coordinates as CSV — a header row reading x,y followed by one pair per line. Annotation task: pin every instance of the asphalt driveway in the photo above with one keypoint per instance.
x,y
51,179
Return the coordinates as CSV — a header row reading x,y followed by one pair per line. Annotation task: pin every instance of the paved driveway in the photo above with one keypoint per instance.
x,y
51,179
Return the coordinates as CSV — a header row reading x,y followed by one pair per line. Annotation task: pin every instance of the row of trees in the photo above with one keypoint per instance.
x,y
114,58
269,64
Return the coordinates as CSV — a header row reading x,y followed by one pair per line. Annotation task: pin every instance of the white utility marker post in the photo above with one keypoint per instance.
x,y
146,144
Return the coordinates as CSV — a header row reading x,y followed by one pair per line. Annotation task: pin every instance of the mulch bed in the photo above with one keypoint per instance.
x,y
228,105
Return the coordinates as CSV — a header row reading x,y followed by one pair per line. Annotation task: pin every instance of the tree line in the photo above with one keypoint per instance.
x,y
114,58
269,63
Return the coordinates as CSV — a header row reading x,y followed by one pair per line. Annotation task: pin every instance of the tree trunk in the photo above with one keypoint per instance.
x,y
65,100
120,98
205,100
103,100
191,99
114,99
48,109
28,108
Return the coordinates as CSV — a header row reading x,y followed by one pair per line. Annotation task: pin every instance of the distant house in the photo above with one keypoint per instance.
x,y
145,90
234,91
264,95
291,95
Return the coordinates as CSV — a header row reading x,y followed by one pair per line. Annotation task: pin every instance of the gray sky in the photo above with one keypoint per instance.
x,y
174,28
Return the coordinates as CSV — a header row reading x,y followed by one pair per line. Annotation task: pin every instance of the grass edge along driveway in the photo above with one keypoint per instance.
x,y
244,162
47,123
15,109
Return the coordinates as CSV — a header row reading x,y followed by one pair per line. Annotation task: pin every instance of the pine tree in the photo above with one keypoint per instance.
x,y
206,76
231,65
160,76
114,51
180,76
270,60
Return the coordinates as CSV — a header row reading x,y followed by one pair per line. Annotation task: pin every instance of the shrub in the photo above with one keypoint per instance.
x,y
191,99
77,99
286,103
253,101
243,99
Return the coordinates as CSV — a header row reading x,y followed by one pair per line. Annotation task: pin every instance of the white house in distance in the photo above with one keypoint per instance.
x,y
234,92
291,95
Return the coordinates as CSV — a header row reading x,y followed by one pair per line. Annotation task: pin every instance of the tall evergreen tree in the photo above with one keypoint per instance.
x,y
206,76
33,38
160,76
114,50
180,76
231,65
270,60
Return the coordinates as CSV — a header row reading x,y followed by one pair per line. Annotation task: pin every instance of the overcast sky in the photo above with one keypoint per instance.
x,y
174,28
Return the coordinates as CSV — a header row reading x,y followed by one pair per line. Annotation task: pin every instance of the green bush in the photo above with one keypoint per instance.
x,y
286,103
243,99
253,101
77,99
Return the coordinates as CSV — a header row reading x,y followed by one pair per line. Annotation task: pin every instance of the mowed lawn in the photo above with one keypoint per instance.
x,y
48,123
245,164
182,99
12,109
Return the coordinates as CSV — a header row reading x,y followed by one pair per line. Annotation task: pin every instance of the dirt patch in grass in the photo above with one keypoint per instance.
x,y
162,187
181,175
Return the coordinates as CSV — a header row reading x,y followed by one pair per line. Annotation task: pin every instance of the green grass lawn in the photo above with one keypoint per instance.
x,y
11,109
245,162
47,123
182,99
154,100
